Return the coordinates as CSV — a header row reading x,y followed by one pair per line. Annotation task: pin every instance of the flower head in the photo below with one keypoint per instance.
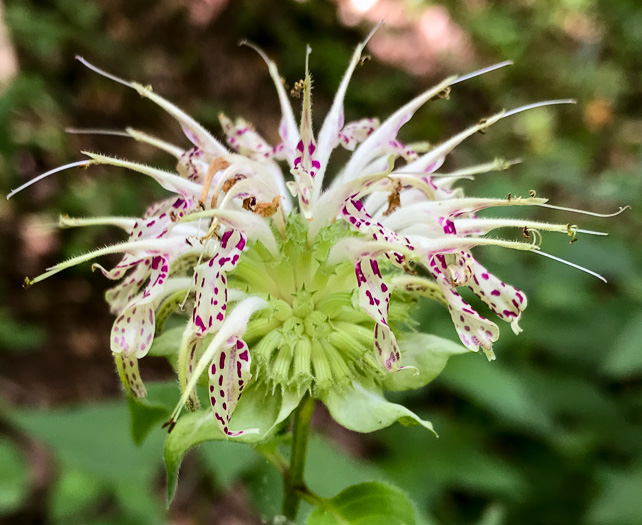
x,y
291,286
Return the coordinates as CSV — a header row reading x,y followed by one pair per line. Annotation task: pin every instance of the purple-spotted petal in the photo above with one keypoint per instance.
x,y
356,215
229,373
133,330
503,299
474,330
374,298
354,133
242,137
193,165
211,283
127,366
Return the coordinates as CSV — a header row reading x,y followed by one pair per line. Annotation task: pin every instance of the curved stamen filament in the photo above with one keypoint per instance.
x,y
96,131
480,72
83,163
584,212
102,72
573,265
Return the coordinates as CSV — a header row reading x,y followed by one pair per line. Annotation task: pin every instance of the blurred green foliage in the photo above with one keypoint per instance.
x,y
549,433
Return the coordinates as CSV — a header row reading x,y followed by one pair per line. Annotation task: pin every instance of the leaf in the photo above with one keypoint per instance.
x,y
325,456
370,503
364,409
145,413
227,461
95,439
257,408
73,495
499,390
425,356
14,480
625,359
168,343
618,502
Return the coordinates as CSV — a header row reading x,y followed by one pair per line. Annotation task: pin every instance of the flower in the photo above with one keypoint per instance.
x,y
299,288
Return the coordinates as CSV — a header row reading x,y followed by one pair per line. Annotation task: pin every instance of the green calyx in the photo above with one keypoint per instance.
x,y
314,335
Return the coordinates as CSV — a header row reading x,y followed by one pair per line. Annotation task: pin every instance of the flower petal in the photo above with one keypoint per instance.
x,y
234,326
354,133
503,299
211,283
374,298
229,373
242,137
474,330
167,180
127,367
388,132
134,328
334,120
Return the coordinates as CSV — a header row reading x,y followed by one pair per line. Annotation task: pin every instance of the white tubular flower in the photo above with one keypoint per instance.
x,y
313,295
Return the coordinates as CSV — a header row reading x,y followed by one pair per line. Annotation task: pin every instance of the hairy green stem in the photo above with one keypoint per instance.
x,y
293,477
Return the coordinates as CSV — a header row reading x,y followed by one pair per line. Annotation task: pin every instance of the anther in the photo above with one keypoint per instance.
x,y
299,86
394,199
445,93
170,424
218,164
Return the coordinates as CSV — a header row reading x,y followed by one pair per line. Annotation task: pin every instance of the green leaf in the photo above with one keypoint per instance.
x,y
14,481
147,412
227,461
428,354
366,504
258,408
325,456
364,409
73,495
626,359
168,343
499,390
94,439
618,502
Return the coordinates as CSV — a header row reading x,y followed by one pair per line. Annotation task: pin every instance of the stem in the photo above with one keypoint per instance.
x,y
293,476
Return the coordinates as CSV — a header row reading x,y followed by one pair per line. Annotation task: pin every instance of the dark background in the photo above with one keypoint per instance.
x,y
550,433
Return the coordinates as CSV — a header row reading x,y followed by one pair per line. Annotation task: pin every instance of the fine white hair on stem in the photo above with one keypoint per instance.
x,y
569,263
102,72
483,71
84,163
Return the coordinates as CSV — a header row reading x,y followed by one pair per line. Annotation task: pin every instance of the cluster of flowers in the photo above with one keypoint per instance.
x,y
292,284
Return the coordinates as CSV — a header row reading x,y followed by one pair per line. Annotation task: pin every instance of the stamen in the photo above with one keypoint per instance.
x,y
495,165
584,212
102,72
482,71
84,163
568,263
394,199
538,105
96,131
219,163
74,222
